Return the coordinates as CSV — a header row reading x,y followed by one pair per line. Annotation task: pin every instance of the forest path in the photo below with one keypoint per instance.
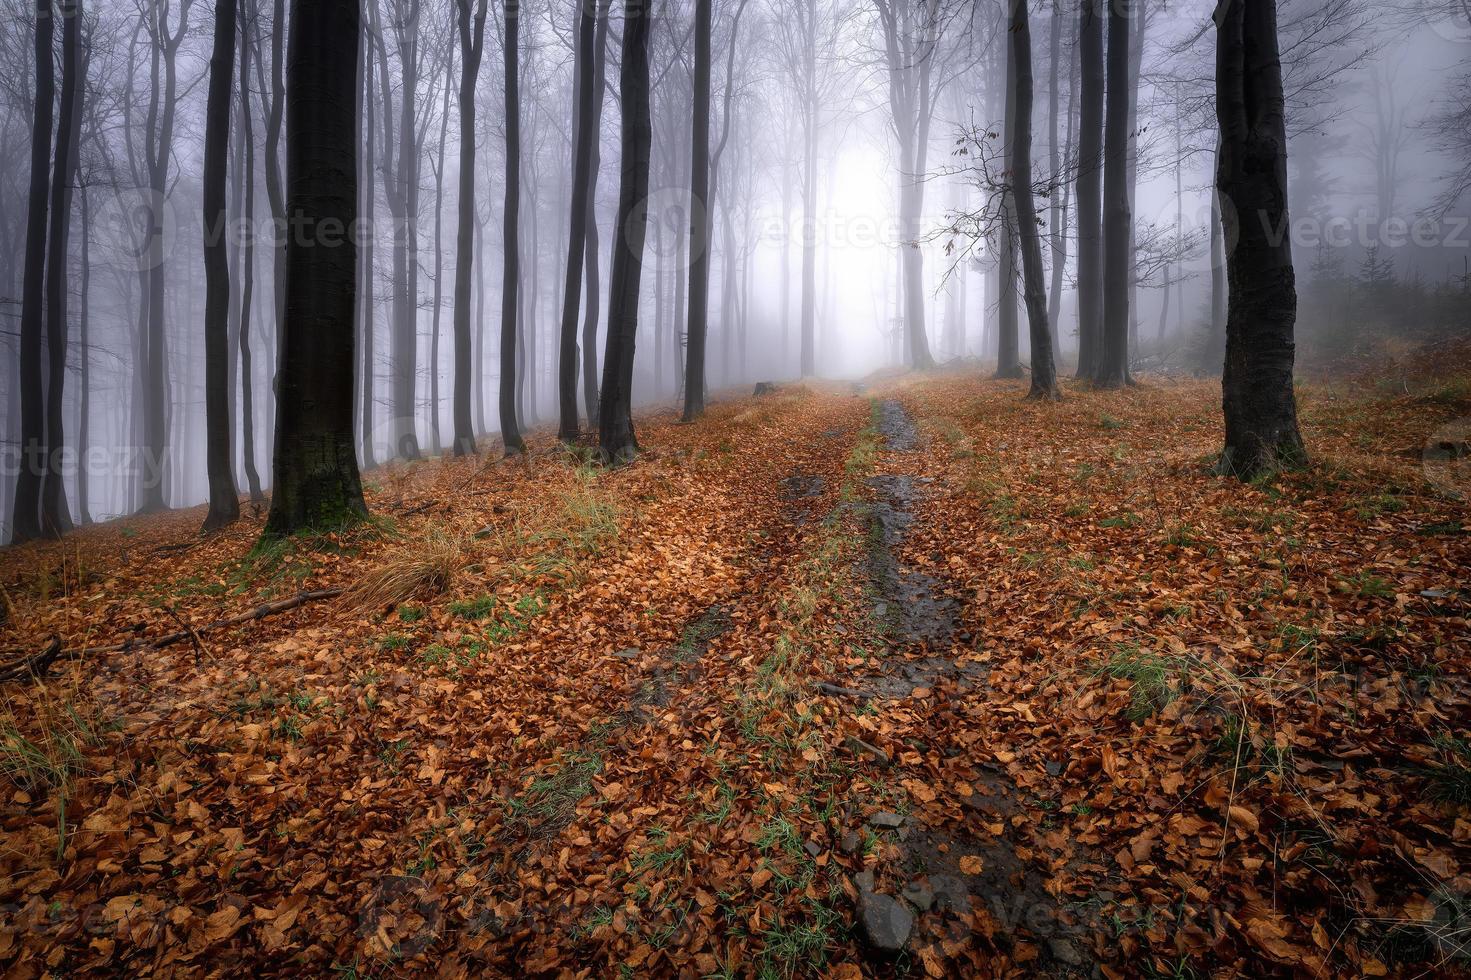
x,y
1020,688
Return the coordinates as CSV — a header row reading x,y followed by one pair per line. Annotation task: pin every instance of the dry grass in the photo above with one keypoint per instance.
x,y
418,569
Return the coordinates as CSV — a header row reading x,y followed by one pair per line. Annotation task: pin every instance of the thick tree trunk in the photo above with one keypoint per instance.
x,y
316,483
84,364
367,381
1113,367
1251,175
224,499
1089,214
1044,373
617,441
583,140
511,228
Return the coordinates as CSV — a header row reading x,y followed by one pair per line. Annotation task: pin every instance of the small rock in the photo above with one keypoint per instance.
x,y
919,894
885,819
1054,768
881,610
886,923
764,388
851,842
864,881
630,653
812,848
1065,952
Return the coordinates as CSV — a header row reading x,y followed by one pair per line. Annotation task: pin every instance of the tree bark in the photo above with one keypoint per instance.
x,y
1044,373
593,289
1008,344
316,483
1088,213
1251,175
1113,366
247,247
472,47
511,229
700,218
224,499
583,139
617,441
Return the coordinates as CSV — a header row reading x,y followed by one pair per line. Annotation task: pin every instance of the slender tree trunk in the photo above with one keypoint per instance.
x,y
1114,361
583,139
701,216
617,441
84,375
809,201
480,425
224,499
55,517
436,441
472,47
247,279
1257,391
1044,373
593,289
367,382
1008,343
511,268
1089,214
316,483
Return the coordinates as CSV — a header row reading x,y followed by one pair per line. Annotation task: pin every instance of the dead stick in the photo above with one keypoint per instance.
x,y
38,662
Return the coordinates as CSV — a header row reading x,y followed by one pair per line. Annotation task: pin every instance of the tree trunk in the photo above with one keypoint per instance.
x,y
617,441
1044,373
511,228
472,46
55,518
84,362
1113,367
583,140
436,441
1088,213
224,499
593,290
367,382
316,483
809,199
1251,175
1008,345
700,217
247,279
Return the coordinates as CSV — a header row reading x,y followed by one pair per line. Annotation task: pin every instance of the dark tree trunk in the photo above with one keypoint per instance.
x,y
1089,214
472,46
511,227
316,482
700,216
1008,344
1113,365
84,373
593,290
583,140
367,382
1044,373
436,441
617,441
224,500
1251,176
247,284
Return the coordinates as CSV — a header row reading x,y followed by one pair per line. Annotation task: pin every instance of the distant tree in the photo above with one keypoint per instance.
x,y
617,441
224,499
593,289
472,47
26,521
1257,390
511,231
1044,373
317,485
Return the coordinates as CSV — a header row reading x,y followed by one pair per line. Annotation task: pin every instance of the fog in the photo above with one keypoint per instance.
x,y
819,99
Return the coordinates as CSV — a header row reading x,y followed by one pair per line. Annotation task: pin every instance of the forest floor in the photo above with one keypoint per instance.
x,y
1019,688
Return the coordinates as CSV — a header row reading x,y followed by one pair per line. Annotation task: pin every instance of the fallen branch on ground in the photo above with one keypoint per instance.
x,y
36,664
